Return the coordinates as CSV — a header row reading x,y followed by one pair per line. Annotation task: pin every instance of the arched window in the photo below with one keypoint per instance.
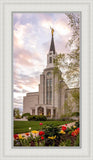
x,y
48,74
49,88
40,111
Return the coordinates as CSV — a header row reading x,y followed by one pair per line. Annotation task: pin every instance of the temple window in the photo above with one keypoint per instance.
x,y
40,111
50,59
48,112
48,74
49,88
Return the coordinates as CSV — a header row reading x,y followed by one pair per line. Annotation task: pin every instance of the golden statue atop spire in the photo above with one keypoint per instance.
x,y
52,30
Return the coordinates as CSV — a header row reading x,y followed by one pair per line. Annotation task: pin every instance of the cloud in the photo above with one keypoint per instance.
x,y
62,28
21,34
31,43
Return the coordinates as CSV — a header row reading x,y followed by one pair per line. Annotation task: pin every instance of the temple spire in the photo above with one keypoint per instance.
x,y
52,46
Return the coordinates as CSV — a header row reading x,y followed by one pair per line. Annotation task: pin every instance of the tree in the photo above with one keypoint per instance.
x,y
71,101
17,113
70,63
74,43
75,95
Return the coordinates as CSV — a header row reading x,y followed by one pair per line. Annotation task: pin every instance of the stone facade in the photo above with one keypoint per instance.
x,y
50,100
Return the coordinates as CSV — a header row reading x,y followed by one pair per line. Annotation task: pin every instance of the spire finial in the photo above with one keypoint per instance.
x,y
52,30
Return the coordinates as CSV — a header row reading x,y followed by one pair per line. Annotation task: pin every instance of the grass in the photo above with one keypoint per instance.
x,y
23,126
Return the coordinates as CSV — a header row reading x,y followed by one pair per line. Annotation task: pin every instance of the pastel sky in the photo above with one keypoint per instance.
x,y
31,43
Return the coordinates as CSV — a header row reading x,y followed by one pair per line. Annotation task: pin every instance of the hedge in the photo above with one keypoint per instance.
x,y
36,118
26,115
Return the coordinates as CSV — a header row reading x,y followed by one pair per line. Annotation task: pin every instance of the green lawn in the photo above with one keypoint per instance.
x,y
23,126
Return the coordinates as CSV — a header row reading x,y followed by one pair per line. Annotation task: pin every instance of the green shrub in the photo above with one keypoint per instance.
x,y
51,130
26,115
37,118
18,117
75,114
30,118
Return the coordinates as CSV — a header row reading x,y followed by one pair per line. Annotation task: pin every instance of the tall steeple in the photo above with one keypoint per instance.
x,y
52,46
52,53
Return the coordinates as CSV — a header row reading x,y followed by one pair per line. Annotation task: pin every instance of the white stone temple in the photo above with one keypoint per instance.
x,y
49,100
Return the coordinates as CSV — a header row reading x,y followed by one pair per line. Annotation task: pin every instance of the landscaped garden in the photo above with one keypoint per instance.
x,y
23,126
46,133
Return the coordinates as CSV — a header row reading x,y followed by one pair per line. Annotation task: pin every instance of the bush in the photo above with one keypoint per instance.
x,y
75,114
36,118
51,130
18,117
26,115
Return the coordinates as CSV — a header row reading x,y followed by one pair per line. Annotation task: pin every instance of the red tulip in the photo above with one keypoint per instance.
x,y
78,129
72,134
16,136
64,128
41,123
66,124
75,132
42,138
27,134
41,133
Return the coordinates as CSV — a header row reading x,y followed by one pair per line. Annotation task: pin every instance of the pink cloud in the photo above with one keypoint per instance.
x,y
31,42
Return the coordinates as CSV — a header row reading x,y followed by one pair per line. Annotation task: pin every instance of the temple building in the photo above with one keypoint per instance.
x,y
49,100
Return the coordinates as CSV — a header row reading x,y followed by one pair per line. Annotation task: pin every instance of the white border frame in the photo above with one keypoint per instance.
x,y
86,8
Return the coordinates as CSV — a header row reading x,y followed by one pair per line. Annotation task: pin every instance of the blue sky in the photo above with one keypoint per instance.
x,y
31,43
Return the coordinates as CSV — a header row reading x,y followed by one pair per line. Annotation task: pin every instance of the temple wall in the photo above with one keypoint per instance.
x,y
30,101
42,90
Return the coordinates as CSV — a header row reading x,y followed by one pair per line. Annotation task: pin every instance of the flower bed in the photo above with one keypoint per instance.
x,y
49,136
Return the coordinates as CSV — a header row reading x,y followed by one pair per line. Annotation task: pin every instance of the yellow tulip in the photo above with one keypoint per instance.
x,y
74,126
52,137
20,136
34,131
62,132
